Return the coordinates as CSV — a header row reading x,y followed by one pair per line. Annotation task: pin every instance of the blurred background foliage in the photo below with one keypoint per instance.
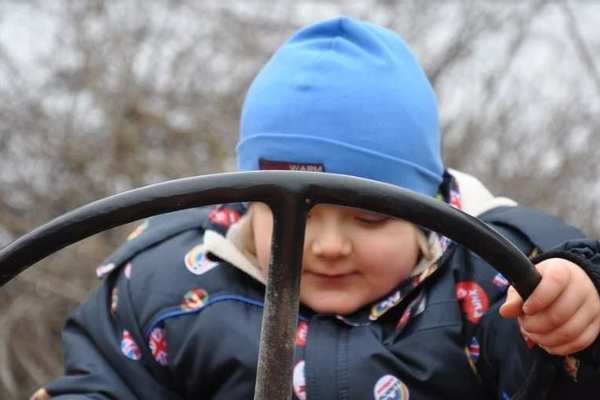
x,y
97,97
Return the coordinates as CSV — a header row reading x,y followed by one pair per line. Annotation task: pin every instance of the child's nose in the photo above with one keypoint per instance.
x,y
330,243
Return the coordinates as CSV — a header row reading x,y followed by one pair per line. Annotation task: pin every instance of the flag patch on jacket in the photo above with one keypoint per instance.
x,y
299,381
129,347
158,345
473,300
301,333
194,299
388,387
224,216
196,261
474,349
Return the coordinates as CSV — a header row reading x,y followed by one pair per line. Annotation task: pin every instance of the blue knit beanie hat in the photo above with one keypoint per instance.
x,y
346,97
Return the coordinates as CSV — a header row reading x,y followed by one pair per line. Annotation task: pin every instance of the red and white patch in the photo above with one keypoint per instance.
x,y
301,333
158,345
473,299
196,261
455,200
194,299
129,347
224,216
299,381
388,387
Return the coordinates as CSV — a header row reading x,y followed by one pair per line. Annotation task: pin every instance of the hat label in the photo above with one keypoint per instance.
x,y
290,166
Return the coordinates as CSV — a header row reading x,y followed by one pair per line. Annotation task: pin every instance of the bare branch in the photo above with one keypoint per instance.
x,y
580,45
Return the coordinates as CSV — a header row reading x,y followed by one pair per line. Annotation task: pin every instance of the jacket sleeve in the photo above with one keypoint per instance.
x,y
105,350
105,356
507,362
521,370
585,365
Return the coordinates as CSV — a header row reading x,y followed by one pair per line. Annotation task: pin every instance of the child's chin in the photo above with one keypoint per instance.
x,y
333,306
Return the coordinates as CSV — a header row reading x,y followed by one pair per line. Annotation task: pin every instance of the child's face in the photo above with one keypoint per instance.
x,y
351,256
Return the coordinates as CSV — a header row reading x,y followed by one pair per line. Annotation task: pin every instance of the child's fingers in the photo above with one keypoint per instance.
x,y
582,342
569,303
556,275
564,333
513,305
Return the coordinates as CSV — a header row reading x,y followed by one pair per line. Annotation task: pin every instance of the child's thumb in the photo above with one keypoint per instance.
x,y
513,305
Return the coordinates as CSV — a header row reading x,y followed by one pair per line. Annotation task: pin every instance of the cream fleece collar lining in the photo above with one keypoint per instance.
x,y
234,248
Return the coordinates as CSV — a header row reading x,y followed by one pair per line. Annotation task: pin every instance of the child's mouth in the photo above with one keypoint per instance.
x,y
331,278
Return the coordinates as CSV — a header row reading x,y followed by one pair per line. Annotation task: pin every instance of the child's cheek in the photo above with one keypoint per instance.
x,y
387,264
262,230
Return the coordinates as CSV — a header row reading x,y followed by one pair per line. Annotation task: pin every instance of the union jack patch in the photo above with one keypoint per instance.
x,y
158,345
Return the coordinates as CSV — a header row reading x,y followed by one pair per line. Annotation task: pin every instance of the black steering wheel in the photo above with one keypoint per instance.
x,y
290,194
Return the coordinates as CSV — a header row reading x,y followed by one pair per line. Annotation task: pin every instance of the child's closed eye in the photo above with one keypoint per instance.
x,y
371,218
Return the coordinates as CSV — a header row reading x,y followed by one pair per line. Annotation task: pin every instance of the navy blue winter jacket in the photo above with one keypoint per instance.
x,y
169,322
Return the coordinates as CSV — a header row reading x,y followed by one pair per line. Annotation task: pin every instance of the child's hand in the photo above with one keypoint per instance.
x,y
563,313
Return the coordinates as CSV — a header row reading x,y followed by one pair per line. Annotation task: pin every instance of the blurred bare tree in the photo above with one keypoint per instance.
x,y
127,93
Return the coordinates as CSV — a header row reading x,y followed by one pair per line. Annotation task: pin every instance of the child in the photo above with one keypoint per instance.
x,y
389,310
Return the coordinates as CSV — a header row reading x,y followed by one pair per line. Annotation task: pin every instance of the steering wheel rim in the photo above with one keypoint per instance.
x,y
290,194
